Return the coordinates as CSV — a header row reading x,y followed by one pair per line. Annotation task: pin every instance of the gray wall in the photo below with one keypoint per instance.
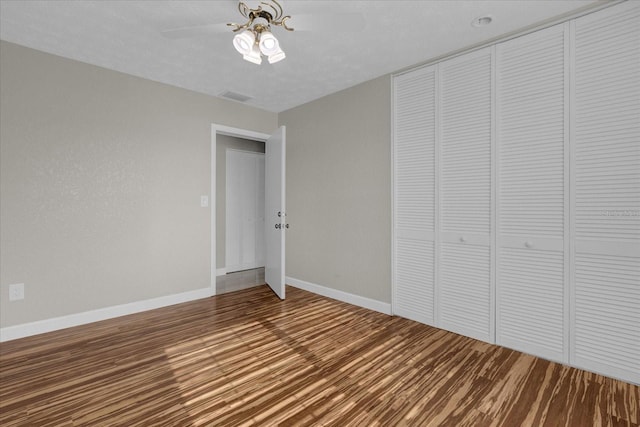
x,y
100,177
223,143
339,190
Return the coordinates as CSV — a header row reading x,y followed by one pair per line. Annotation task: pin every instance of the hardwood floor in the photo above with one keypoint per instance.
x,y
247,358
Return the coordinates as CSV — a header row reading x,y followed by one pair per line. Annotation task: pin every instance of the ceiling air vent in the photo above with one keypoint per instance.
x,y
235,96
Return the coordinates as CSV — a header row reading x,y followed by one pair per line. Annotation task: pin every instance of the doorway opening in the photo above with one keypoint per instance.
x,y
274,205
240,213
245,148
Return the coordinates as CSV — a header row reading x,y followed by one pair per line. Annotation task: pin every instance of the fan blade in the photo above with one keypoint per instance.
x,y
346,22
195,31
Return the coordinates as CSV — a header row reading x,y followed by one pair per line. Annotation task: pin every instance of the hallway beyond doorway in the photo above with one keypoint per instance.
x,y
239,280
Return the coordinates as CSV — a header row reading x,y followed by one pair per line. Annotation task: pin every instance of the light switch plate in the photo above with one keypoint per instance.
x,y
204,201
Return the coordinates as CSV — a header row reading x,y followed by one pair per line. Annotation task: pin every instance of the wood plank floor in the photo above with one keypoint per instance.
x,y
247,358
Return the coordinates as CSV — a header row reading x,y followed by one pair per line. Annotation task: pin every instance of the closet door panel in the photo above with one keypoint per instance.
x,y
606,197
606,319
532,191
531,309
414,195
465,144
465,292
414,279
464,289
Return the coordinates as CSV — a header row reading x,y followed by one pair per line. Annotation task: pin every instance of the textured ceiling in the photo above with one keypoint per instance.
x,y
126,36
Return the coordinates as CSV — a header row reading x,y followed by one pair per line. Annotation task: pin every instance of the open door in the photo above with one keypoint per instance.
x,y
275,221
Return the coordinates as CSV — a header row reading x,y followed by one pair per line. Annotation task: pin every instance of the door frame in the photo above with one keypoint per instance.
x,y
217,129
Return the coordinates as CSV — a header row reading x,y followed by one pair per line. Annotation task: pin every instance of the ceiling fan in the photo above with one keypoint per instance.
x,y
254,38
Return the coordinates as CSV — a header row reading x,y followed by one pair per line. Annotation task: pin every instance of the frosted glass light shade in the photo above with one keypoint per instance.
x,y
276,57
253,55
268,43
244,42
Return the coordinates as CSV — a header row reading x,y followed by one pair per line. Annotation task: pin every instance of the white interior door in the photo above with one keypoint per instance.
x,y
275,219
244,210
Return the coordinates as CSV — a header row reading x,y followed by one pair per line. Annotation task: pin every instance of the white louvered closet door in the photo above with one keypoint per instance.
x,y
414,195
464,290
605,333
532,193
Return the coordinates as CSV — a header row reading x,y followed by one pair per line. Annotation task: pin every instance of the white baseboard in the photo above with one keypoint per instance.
x,y
371,304
48,325
53,324
221,271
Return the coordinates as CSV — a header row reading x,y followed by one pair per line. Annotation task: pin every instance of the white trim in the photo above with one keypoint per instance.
x,y
240,133
48,325
571,166
392,138
496,185
437,243
568,156
221,271
493,231
229,131
371,304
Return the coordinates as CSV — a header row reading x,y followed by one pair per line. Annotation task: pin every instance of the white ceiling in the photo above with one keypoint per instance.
x,y
126,36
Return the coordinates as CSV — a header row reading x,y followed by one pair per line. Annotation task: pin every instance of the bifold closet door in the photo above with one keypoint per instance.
x,y
414,195
532,193
464,295
605,333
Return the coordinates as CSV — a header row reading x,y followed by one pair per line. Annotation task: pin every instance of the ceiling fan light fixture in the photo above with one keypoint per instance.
x,y
256,38
253,55
269,44
276,57
244,42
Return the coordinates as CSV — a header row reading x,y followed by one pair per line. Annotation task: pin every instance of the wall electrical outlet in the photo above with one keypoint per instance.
x,y
204,201
16,291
